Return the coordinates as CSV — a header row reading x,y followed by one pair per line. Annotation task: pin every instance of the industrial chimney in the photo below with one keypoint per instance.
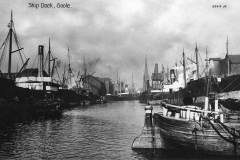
x,y
172,76
41,57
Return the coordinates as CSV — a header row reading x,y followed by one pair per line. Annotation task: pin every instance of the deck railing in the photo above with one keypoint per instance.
x,y
188,112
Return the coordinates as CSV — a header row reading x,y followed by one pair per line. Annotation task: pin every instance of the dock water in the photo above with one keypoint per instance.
x,y
100,131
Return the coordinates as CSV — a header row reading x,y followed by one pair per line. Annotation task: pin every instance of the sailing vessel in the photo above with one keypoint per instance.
x,y
7,78
69,88
25,91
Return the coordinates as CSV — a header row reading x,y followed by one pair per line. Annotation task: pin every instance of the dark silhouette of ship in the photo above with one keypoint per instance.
x,y
202,115
30,92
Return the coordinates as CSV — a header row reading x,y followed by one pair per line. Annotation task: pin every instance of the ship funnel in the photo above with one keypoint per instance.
x,y
172,76
41,57
156,68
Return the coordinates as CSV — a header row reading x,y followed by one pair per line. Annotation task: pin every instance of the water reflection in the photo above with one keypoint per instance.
x,y
103,131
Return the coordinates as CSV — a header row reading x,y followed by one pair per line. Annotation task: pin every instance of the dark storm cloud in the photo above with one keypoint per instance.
x,y
119,33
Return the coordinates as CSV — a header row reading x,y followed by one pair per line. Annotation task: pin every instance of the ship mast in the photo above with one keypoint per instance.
x,y
133,88
197,63
184,69
49,59
12,36
84,67
120,85
10,45
69,69
227,45
228,63
53,66
207,73
206,102
117,83
85,80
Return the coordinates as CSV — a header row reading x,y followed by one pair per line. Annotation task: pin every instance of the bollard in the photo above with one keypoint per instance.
x,y
165,111
206,106
150,137
216,107
221,118
188,114
148,116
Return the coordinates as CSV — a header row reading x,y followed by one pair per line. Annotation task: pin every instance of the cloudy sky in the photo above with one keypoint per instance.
x,y
115,35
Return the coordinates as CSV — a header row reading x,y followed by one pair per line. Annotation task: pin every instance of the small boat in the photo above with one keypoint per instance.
x,y
192,129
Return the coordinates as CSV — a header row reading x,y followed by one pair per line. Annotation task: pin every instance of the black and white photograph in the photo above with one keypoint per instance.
x,y
119,79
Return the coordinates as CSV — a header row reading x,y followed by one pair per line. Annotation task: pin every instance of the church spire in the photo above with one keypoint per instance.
x,y
145,76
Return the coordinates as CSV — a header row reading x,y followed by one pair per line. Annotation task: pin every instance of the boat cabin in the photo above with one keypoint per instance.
x,y
190,112
37,78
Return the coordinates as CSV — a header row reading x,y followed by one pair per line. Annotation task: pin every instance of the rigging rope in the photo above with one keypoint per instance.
x,y
5,41
18,44
3,54
228,139
58,75
229,131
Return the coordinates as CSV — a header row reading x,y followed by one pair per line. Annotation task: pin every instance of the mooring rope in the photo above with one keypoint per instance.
x,y
228,139
229,131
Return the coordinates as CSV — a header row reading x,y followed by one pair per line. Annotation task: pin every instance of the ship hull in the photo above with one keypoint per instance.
x,y
189,136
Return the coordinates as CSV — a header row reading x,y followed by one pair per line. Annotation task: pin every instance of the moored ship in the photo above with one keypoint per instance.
x,y
199,115
25,93
192,129
194,119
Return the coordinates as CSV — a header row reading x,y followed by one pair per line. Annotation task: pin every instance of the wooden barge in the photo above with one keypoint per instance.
x,y
191,129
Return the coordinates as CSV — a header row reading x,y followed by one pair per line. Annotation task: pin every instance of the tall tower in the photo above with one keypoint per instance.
x,y
145,76
157,78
